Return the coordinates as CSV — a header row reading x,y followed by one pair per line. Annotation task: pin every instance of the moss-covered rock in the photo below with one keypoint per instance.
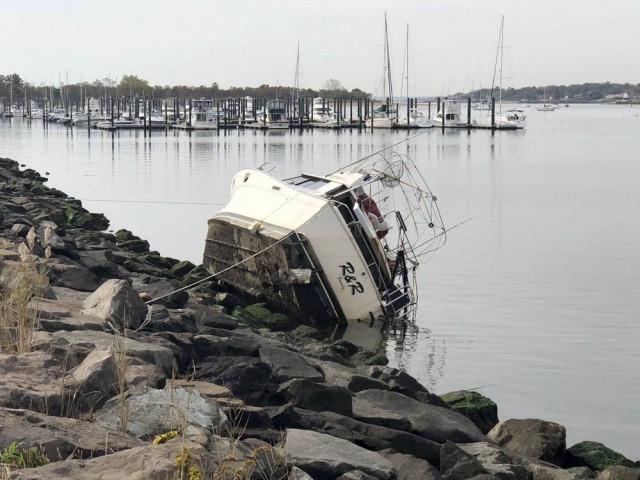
x,y
306,331
258,316
136,246
594,455
476,407
155,259
182,268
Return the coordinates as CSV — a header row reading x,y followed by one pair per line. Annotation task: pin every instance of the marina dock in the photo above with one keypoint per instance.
x,y
121,113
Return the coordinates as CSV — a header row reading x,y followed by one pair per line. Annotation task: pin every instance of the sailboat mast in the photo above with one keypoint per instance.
x,y
296,80
495,67
388,61
407,51
296,84
501,57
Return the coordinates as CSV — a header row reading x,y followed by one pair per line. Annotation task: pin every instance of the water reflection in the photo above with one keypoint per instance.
x,y
410,343
537,295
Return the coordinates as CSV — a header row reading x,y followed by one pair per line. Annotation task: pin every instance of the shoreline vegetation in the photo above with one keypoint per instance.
x,y
12,86
106,366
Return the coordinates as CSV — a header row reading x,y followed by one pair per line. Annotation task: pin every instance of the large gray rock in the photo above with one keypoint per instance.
x,y
33,381
350,378
371,437
532,437
70,275
547,471
100,263
115,301
60,437
150,462
410,468
395,410
355,475
231,344
147,352
164,292
319,397
619,472
456,464
154,412
326,457
287,365
246,377
497,462
96,378
297,474
214,317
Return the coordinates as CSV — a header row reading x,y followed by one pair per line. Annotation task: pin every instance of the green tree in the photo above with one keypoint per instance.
x,y
132,85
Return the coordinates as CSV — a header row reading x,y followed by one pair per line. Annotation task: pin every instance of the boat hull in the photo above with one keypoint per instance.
x,y
303,253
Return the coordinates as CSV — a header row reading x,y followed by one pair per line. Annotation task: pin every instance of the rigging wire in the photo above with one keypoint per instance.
x,y
167,202
213,275
445,231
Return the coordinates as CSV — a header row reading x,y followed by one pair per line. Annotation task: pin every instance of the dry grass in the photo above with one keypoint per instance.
x,y
119,350
19,317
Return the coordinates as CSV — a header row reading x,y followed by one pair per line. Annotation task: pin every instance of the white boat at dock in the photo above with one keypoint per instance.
x,y
201,114
512,119
450,114
274,115
117,123
416,119
337,251
87,119
321,112
546,107
413,118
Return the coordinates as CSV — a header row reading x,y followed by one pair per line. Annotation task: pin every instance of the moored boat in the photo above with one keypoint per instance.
x,y
338,251
321,111
385,116
449,114
547,107
416,119
274,115
511,119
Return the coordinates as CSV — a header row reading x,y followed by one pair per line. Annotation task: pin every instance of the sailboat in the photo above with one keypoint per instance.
x,y
414,117
512,119
385,116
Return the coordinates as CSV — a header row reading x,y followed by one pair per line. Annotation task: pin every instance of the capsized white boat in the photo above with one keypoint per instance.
x,y
338,251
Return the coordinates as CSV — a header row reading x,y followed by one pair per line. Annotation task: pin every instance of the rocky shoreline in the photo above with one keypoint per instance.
x,y
108,371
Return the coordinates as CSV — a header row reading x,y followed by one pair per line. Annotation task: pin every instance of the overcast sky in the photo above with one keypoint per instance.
x,y
452,43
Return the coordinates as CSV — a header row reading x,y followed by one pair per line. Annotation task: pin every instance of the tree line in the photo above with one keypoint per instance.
x,y
131,86
583,93
12,85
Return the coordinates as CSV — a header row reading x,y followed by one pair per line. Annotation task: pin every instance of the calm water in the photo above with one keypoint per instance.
x,y
535,303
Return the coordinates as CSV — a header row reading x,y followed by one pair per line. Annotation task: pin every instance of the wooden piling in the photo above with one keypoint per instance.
x,y
493,113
